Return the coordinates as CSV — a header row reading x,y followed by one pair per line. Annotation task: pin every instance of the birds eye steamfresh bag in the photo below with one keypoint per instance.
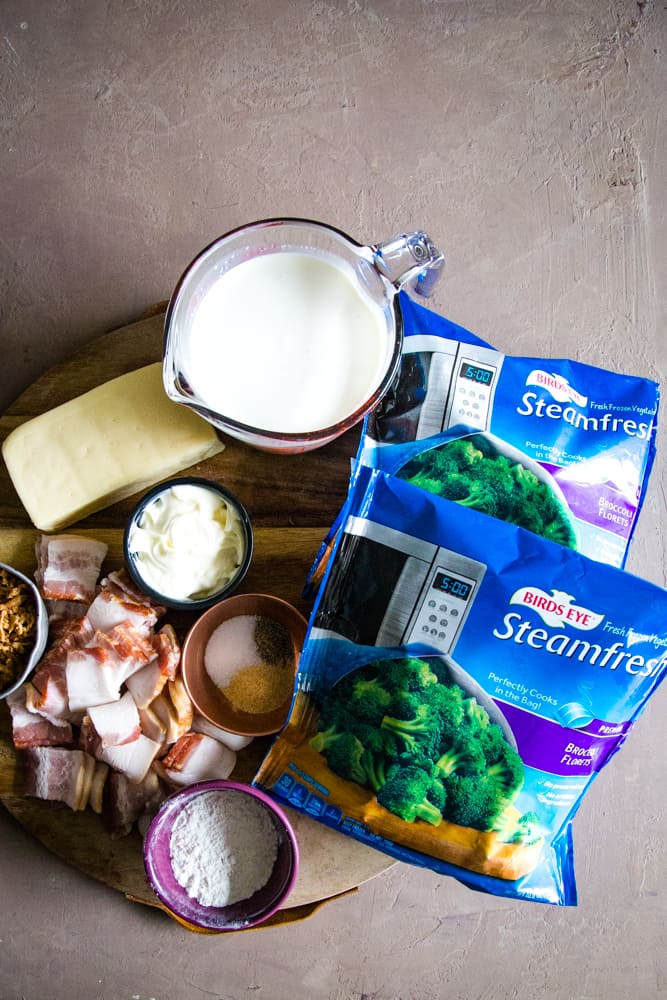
x,y
463,682
561,448
586,434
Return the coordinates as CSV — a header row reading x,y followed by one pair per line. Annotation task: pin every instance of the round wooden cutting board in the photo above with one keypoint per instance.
x,y
292,500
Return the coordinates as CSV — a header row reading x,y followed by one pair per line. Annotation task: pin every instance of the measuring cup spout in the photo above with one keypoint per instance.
x,y
410,262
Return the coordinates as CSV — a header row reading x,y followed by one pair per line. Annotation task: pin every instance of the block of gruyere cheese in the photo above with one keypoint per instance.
x,y
105,445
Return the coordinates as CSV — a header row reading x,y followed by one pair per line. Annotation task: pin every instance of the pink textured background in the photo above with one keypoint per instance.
x,y
528,138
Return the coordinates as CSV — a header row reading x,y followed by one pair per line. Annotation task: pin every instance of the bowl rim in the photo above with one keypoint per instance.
x,y
161,825
41,632
202,623
205,602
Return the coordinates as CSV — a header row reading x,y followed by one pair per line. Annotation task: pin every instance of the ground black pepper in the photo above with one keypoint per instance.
x,y
273,641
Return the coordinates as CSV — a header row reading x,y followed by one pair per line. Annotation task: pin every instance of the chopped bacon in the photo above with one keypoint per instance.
x,y
107,698
120,583
63,611
231,740
117,722
168,651
100,775
183,707
109,609
172,709
147,684
57,774
31,730
130,649
132,759
89,739
70,632
197,757
127,801
49,696
92,678
68,567
152,726
166,713
131,645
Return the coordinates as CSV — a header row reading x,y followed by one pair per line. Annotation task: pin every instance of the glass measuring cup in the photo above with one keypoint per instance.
x,y
294,380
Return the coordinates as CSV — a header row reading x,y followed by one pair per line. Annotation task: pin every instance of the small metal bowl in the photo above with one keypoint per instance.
x,y
207,698
40,638
236,916
134,563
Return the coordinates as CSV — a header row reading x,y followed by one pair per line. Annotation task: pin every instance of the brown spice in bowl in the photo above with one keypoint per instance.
x,y
18,623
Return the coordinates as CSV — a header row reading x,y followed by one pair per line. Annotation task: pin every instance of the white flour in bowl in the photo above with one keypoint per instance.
x,y
223,847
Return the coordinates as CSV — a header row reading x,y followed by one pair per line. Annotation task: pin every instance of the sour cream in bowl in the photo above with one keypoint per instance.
x,y
189,543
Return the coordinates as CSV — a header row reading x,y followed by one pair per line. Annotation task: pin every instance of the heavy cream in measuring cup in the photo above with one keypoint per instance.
x,y
287,342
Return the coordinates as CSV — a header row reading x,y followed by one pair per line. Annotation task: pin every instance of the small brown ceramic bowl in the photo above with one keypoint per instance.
x,y
207,698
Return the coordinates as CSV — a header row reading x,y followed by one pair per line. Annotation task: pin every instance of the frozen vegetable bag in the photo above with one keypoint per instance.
x,y
462,683
588,431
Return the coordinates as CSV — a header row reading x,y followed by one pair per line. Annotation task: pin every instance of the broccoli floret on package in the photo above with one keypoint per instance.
x,y
463,682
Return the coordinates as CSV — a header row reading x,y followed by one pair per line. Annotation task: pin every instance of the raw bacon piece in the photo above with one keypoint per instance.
x,y
120,583
68,567
31,730
89,739
62,611
92,678
96,672
180,699
174,710
197,757
152,726
70,632
127,801
117,722
146,684
133,759
131,645
130,649
49,686
96,800
87,774
231,740
149,682
168,651
60,775
166,713
110,609
50,697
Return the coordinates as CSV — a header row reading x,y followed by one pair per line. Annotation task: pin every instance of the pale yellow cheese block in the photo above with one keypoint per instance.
x,y
103,446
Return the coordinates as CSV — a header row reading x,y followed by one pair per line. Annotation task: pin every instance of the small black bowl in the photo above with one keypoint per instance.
x,y
212,597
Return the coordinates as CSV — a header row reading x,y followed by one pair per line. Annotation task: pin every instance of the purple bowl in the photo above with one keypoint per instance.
x,y
237,916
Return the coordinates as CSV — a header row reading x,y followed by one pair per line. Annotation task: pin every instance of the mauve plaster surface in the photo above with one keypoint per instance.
x,y
528,138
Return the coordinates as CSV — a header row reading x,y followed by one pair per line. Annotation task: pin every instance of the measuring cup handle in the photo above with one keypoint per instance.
x,y
410,262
